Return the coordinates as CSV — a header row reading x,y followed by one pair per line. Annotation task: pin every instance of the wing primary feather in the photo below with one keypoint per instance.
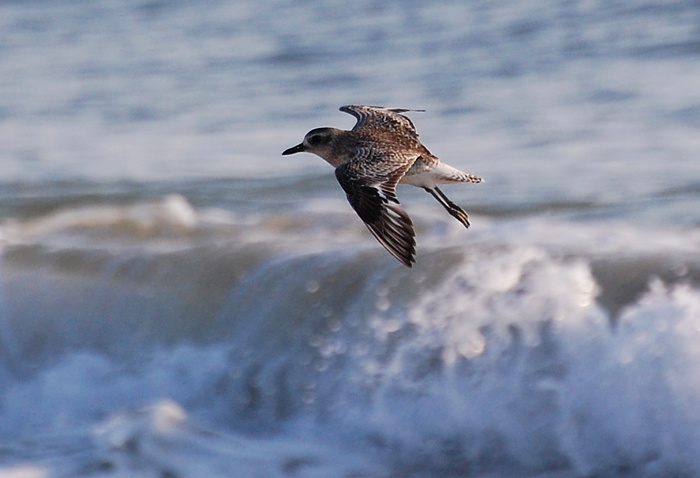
x,y
380,210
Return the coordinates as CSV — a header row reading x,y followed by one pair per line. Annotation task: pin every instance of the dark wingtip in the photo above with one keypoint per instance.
x,y
398,238
407,260
406,257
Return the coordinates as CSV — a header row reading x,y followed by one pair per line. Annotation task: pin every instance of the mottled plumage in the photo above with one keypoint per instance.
x,y
381,151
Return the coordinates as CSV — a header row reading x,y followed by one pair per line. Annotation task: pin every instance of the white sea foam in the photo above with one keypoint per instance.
x,y
506,360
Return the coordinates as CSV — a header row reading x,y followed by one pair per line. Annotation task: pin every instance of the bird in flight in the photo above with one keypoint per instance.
x,y
379,152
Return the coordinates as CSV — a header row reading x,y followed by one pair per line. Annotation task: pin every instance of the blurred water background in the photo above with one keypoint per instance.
x,y
179,300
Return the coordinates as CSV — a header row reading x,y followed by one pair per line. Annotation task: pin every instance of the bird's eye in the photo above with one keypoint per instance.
x,y
318,139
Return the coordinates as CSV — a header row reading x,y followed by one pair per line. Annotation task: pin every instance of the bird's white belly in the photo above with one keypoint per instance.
x,y
423,175
424,179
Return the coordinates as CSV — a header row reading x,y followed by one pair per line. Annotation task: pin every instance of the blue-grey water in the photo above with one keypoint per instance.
x,y
179,300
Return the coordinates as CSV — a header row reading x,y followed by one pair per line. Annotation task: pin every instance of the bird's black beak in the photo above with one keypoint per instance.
x,y
299,148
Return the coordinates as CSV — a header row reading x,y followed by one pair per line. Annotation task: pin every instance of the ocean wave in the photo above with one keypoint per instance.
x,y
520,346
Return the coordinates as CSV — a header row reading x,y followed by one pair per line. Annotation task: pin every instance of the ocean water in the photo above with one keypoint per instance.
x,y
179,300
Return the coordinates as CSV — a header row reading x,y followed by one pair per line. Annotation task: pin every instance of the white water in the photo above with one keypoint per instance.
x,y
493,355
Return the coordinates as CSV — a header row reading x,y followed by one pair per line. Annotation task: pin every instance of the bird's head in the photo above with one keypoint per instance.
x,y
318,141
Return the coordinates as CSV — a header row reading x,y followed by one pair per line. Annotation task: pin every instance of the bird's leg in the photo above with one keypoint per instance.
x,y
454,210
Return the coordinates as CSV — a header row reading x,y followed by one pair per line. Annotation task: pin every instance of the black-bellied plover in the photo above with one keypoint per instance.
x,y
381,151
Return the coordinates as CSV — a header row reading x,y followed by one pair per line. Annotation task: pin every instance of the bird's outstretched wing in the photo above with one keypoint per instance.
x,y
375,119
371,192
